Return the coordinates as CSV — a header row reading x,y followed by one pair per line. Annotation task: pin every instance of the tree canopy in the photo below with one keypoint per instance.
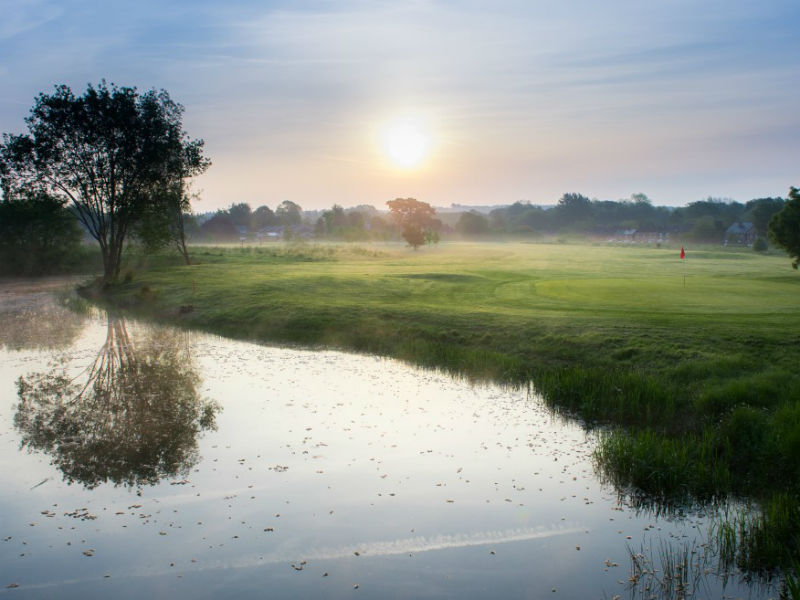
x,y
289,213
784,227
472,224
114,153
415,219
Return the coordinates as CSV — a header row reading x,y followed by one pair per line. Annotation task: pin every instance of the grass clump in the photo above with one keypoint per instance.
x,y
763,540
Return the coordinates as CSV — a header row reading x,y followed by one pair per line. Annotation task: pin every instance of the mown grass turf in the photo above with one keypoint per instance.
x,y
541,305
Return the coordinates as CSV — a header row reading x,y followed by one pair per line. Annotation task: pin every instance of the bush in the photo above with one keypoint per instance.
x,y
38,236
760,245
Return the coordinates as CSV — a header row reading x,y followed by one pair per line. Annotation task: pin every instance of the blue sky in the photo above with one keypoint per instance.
x,y
521,100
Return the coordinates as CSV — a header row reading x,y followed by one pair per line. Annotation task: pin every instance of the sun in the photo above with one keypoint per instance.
x,y
406,141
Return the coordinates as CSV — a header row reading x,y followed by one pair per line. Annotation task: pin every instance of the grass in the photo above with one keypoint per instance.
x,y
690,365
670,571
545,305
768,537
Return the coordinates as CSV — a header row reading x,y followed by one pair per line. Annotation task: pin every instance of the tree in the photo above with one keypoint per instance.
x,y
289,213
262,217
573,210
761,212
332,221
706,229
162,222
240,214
115,154
37,234
220,227
472,223
784,227
349,225
414,218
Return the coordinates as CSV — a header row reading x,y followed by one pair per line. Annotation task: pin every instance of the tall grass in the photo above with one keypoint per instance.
x,y
670,570
763,540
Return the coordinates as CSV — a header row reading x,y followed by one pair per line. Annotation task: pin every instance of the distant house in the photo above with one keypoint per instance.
x,y
283,232
270,233
741,233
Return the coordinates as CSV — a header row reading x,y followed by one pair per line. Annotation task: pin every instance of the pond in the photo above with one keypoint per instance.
x,y
142,461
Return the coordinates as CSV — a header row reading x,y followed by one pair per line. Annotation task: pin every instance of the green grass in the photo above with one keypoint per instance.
x,y
692,365
553,304
510,311
769,536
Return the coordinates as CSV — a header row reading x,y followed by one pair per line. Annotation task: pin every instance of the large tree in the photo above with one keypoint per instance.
x,y
115,153
415,218
784,227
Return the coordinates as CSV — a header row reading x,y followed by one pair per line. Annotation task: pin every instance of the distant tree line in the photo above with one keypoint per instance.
x,y
700,221
240,219
406,218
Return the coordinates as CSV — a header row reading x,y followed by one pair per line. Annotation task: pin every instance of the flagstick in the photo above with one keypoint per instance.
x,y
683,260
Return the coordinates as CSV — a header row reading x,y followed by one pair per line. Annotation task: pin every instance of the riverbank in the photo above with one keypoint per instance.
x,y
694,359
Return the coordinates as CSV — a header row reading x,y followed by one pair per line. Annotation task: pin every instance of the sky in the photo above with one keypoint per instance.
x,y
492,102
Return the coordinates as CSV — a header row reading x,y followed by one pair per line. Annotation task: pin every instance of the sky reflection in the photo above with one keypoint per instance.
x,y
327,471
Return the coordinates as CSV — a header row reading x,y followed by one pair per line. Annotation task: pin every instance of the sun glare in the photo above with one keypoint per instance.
x,y
406,142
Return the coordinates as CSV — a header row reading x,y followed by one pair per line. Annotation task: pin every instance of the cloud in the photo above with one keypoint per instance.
x,y
20,16
416,545
412,545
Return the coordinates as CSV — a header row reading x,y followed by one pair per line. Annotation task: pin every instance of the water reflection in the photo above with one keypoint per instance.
x,y
132,418
36,321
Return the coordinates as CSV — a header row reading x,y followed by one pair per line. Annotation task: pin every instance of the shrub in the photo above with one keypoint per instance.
x,y
38,236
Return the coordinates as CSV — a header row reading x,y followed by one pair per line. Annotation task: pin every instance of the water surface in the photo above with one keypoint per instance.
x,y
140,461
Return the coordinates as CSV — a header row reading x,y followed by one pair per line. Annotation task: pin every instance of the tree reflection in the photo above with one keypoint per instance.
x,y
133,421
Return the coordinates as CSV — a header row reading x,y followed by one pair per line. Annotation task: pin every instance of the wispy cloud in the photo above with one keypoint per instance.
x,y
416,545
411,545
20,16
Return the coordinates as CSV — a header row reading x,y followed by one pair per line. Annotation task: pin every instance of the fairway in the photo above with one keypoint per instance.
x,y
544,304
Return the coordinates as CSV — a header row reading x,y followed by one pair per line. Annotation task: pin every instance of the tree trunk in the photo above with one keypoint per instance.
x,y
181,239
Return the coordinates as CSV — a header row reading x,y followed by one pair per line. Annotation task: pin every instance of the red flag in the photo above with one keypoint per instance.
x,y
683,254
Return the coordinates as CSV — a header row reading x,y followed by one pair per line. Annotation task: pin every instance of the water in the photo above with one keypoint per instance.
x,y
140,461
